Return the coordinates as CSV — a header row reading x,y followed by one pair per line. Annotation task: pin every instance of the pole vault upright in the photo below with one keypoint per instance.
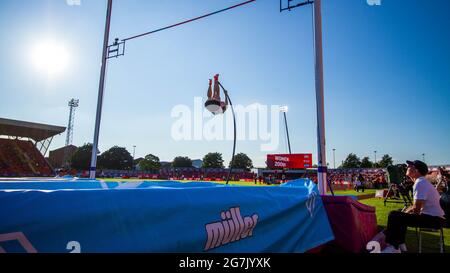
x,y
321,145
101,90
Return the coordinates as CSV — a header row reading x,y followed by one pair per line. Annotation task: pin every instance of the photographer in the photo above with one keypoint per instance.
x,y
407,185
425,213
442,180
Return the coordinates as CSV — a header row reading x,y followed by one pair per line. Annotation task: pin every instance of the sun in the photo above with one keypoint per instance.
x,y
50,57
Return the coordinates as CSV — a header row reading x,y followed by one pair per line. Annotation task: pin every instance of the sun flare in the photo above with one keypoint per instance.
x,y
50,57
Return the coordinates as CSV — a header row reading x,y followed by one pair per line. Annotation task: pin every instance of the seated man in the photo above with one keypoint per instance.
x,y
425,213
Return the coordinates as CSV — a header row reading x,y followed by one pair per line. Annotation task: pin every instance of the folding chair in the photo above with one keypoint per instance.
x,y
445,205
438,229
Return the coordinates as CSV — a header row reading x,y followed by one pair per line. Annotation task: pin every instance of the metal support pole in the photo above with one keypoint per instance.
x,y
321,144
334,159
134,155
101,90
287,133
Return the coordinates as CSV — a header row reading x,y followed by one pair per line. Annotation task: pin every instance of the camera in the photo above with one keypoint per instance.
x,y
401,185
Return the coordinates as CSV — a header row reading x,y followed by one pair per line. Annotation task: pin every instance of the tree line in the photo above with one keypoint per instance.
x,y
118,158
353,162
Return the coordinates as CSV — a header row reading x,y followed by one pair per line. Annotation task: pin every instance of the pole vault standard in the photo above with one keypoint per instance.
x,y
321,144
322,157
101,89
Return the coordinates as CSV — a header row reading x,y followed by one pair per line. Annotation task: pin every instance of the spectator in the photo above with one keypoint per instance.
x,y
425,213
261,179
442,183
359,184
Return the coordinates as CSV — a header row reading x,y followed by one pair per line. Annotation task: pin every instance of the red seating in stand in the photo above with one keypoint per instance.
x,y
21,158
38,161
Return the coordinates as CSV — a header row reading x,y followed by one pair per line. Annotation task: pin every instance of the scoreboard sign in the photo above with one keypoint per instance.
x,y
289,161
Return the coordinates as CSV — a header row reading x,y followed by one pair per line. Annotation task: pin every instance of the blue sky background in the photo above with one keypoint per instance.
x,y
387,72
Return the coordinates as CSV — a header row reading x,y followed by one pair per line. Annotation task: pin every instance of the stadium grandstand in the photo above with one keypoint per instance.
x,y
58,158
374,178
23,146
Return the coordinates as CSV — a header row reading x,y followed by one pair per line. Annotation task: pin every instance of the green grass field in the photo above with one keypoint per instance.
x,y
430,240
352,192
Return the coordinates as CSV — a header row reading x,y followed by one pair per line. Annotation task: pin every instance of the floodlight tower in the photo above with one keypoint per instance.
x,y
334,158
73,104
284,110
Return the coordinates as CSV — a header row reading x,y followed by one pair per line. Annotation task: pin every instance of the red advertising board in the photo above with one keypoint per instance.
x,y
288,161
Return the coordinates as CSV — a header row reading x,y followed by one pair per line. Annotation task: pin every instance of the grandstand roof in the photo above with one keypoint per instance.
x,y
35,131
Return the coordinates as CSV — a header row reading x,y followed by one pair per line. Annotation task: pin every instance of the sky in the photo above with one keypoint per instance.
x,y
386,73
